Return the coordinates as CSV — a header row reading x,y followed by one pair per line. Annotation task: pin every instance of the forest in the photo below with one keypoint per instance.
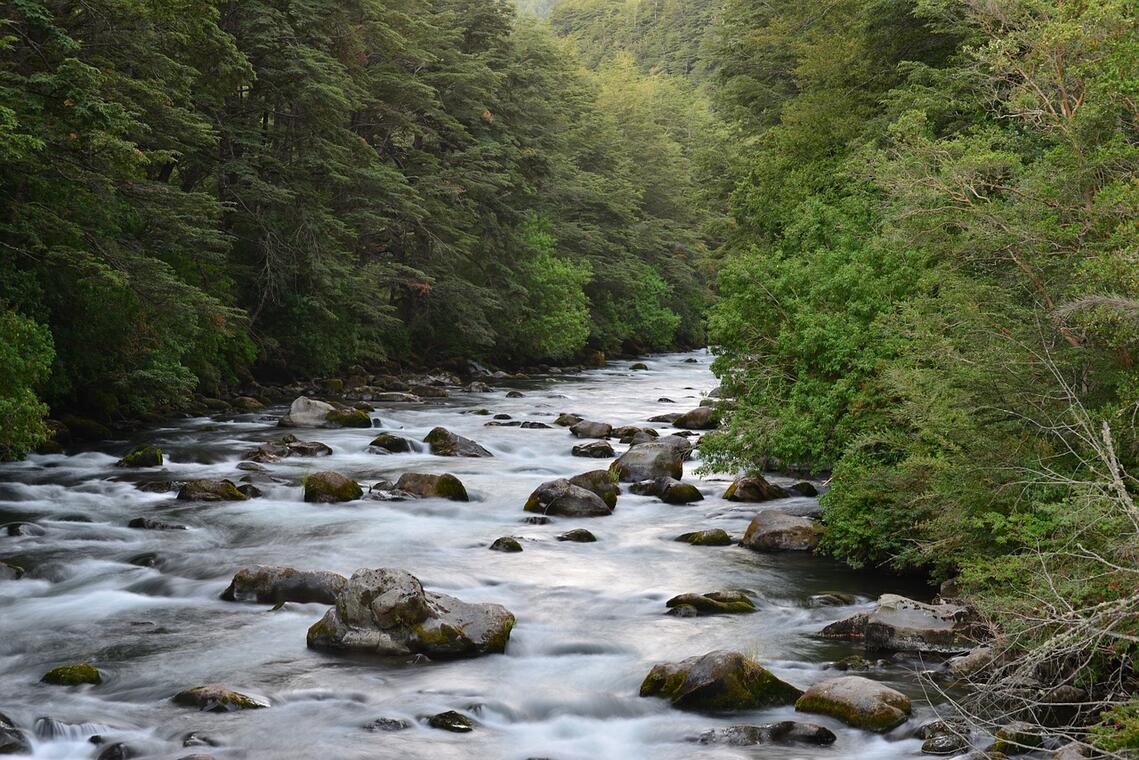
x,y
908,230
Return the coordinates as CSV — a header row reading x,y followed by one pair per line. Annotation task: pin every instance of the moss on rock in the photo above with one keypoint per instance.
x,y
354,418
143,456
74,674
717,681
328,487
215,698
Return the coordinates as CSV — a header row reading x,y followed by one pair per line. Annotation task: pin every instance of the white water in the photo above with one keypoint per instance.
x,y
590,616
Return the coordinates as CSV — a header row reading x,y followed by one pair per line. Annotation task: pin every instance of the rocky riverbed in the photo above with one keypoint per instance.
x,y
229,620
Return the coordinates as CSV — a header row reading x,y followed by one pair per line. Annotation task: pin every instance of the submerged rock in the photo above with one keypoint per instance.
x,y
9,572
588,429
73,675
701,418
567,420
858,702
774,531
668,417
649,461
147,523
563,498
594,450
444,443
719,680
508,544
330,487
753,488
387,724
271,584
386,611
712,603
307,412
668,490
710,537
287,446
210,490
143,456
578,535
601,483
783,732
13,740
445,486
218,699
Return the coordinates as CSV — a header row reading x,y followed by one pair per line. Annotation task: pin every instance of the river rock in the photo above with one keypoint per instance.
x,y
588,429
567,420
386,611
578,535
668,417
803,488
216,698
717,681
753,488
701,418
601,483
478,387
271,584
387,443
508,544
675,492
710,537
210,490
534,425
898,624
594,449
387,724
638,366
143,456
712,603
858,702
1018,738
147,523
563,498
307,412
74,674
13,741
783,732
942,738
1072,751
972,662
288,446
648,461
330,487
9,572
830,599
116,751
445,486
774,531
452,721
444,443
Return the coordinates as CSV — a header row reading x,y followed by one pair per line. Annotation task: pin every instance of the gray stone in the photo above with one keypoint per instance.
x,y
774,531
649,461
270,584
858,702
563,498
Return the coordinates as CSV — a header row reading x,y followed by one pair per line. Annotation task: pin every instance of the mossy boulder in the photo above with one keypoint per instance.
x,y
349,418
74,674
218,699
270,584
563,498
774,531
444,443
388,443
308,412
700,418
858,702
330,487
143,456
567,420
445,486
507,544
638,366
601,483
712,603
649,461
669,490
710,537
1018,738
452,721
898,624
578,535
754,488
210,490
385,611
718,681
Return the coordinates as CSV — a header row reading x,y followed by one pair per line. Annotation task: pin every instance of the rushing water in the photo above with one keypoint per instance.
x,y
590,616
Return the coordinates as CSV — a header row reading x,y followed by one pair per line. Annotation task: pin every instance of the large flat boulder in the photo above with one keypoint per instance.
x,y
649,461
858,702
590,429
385,611
210,490
701,418
309,412
899,624
717,681
775,531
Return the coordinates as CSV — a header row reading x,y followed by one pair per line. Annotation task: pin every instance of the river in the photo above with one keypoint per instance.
x,y
591,619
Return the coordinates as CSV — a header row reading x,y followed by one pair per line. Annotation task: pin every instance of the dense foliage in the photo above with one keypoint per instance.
x,y
932,292
199,190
